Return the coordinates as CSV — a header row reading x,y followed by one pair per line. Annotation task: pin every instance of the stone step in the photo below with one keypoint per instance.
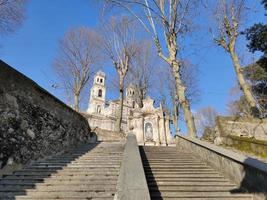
x,y
192,188
162,155
159,156
109,152
203,198
51,171
58,195
102,165
180,170
158,173
186,179
73,166
64,198
176,167
62,182
59,177
92,162
59,188
191,183
82,160
75,156
65,172
181,175
197,194
172,162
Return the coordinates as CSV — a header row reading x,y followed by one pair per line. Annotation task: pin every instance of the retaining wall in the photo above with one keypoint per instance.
x,y
33,123
242,126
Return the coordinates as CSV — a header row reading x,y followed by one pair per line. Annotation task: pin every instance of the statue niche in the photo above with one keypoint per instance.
x,y
148,132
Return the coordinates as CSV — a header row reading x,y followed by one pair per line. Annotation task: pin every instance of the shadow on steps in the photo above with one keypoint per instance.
x,y
30,176
151,181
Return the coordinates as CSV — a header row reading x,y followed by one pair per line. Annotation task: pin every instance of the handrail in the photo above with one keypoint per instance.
x,y
132,183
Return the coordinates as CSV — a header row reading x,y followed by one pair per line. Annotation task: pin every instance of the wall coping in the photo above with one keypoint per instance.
x,y
132,183
242,159
242,119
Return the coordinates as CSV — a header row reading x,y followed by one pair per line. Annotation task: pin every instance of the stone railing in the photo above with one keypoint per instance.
x,y
247,172
132,183
33,123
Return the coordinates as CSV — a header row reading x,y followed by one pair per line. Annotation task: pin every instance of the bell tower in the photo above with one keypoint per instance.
x,y
131,93
97,94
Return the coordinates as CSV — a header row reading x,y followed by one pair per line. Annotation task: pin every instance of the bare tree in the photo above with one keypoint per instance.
x,y
167,88
166,19
205,118
228,15
141,72
238,106
77,57
118,43
11,15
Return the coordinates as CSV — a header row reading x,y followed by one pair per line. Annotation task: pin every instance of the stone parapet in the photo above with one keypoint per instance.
x,y
33,123
132,183
248,173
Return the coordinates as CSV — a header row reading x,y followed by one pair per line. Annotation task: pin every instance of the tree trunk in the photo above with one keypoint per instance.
x,y
76,102
119,120
175,116
180,90
244,86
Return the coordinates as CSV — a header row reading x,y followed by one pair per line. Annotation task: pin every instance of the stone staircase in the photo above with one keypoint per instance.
x,y
89,172
174,174
107,135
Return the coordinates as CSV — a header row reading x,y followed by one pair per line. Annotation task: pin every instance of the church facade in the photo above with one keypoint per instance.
x,y
150,125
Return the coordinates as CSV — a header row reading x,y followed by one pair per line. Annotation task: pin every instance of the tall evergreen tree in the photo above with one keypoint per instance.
x,y
257,35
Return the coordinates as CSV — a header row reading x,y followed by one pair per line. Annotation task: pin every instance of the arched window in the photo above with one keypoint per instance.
x,y
101,80
99,93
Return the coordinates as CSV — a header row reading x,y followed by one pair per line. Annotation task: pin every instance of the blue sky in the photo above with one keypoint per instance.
x,y
34,45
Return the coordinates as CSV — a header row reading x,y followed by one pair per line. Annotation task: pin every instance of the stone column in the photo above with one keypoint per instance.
x,y
143,127
162,126
167,127
157,122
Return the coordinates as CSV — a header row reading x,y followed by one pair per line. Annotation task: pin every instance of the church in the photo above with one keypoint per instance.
x,y
150,125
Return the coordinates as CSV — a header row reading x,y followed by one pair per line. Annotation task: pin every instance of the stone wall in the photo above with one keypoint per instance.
x,y
240,126
104,122
248,145
33,123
